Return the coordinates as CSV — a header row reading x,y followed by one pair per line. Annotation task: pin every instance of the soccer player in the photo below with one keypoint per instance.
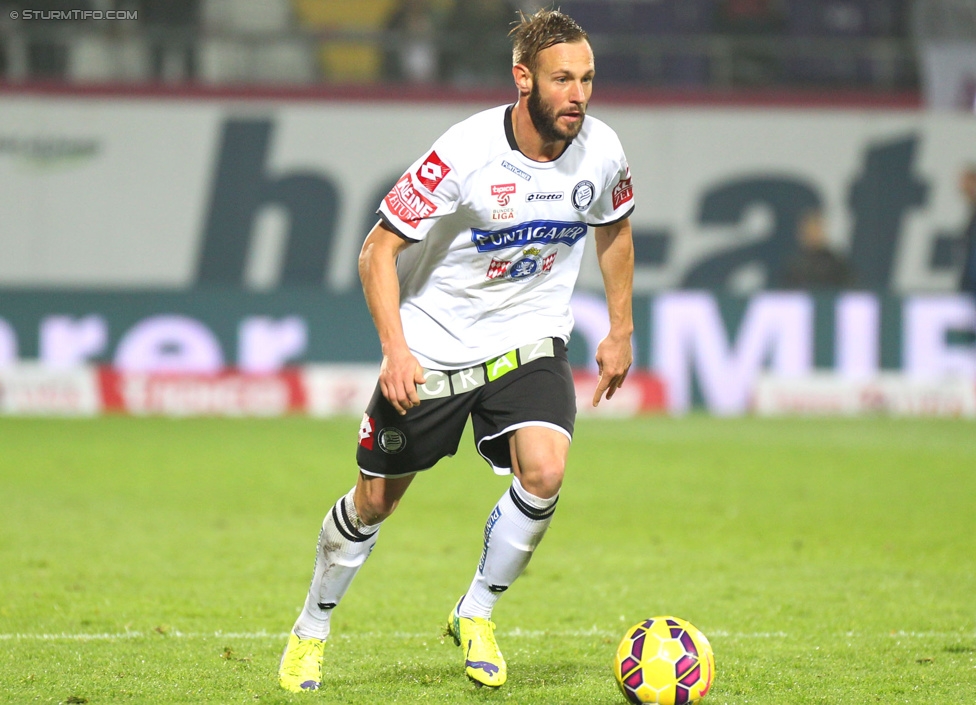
x,y
468,277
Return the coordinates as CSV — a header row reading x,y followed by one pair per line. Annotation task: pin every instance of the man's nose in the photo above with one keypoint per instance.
x,y
577,94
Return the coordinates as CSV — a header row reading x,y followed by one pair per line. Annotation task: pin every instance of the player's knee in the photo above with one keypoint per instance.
x,y
375,507
373,513
377,497
544,478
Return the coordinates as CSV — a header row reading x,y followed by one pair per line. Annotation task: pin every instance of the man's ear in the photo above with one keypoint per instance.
x,y
523,78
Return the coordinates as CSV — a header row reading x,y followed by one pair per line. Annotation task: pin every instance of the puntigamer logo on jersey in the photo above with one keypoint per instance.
x,y
535,232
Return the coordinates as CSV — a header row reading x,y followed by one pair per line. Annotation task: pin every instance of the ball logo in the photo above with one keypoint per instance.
x,y
583,195
503,193
392,440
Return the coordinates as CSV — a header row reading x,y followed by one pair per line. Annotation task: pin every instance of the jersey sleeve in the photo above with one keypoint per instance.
x,y
427,190
616,200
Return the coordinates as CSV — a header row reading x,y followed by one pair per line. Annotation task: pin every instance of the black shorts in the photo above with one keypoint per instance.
x,y
531,386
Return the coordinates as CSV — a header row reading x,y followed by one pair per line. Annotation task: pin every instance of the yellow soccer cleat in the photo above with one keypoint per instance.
x,y
300,669
483,662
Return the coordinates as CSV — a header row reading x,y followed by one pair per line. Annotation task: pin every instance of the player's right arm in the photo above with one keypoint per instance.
x,y
400,372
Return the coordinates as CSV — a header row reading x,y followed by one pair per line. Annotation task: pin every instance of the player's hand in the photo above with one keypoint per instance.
x,y
614,355
400,374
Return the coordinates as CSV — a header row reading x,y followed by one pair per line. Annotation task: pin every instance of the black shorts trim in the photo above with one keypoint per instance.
x,y
495,447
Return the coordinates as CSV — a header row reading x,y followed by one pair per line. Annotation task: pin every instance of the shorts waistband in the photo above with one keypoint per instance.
x,y
445,383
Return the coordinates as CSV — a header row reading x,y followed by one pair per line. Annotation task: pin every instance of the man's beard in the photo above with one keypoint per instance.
x,y
544,119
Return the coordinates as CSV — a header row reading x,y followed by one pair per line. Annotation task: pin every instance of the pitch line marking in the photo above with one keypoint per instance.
x,y
512,633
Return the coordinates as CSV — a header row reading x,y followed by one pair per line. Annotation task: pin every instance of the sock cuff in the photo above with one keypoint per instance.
x,y
347,520
533,507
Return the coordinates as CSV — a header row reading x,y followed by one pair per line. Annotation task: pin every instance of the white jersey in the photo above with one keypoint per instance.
x,y
499,236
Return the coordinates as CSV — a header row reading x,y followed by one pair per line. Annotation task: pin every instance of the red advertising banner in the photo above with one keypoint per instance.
x,y
641,393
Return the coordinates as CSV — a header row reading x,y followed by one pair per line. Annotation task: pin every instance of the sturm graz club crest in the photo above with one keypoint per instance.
x,y
392,440
583,195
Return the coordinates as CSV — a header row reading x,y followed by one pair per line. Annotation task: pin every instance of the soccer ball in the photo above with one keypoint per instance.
x,y
664,660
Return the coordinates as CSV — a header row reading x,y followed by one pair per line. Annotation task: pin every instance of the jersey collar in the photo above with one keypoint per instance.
x,y
510,136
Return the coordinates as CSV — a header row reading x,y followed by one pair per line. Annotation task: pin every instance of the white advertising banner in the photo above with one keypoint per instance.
x,y
179,192
826,394
38,390
339,389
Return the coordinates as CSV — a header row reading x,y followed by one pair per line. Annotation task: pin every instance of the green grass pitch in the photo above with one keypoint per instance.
x,y
163,561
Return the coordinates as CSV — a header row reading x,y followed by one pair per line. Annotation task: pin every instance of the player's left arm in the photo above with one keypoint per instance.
x,y
614,354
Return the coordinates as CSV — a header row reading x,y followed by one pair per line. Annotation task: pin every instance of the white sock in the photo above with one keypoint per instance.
x,y
344,545
513,530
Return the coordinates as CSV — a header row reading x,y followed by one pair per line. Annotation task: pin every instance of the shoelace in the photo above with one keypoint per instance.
x,y
488,639
294,666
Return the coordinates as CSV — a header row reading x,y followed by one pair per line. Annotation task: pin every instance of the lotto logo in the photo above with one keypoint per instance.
x,y
432,171
366,429
552,196
622,192
503,192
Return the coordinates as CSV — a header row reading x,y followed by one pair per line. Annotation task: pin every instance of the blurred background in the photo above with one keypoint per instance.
x,y
185,184
879,46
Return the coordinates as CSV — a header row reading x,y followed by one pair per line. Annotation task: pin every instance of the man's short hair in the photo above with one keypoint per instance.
x,y
533,34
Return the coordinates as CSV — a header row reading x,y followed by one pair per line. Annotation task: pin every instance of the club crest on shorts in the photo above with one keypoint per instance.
x,y
391,440
583,195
